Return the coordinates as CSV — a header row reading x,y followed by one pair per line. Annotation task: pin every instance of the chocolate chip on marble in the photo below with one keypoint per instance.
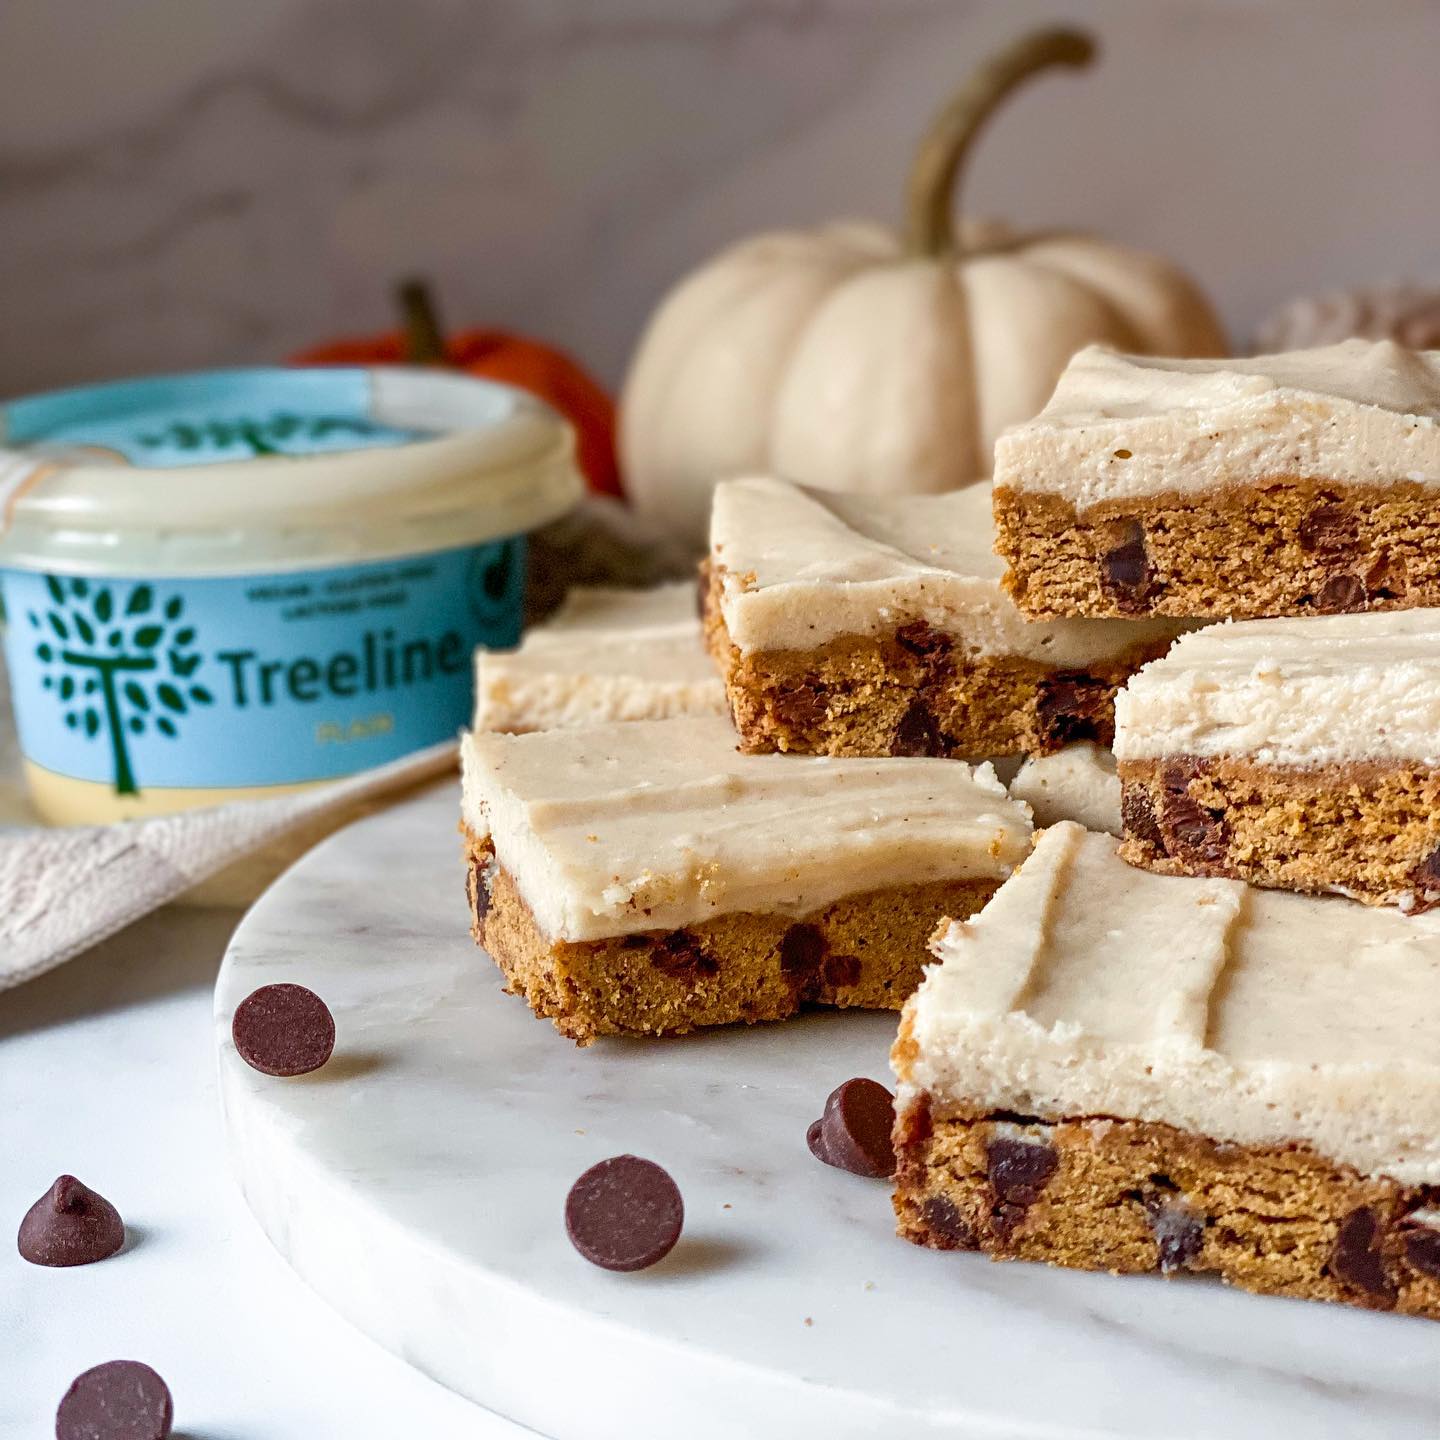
x,y
1358,1259
1125,568
624,1213
283,1030
946,1225
70,1225
1191,832
856,1130
1070,707
1341,594
120,1400
918,734
1018,1170
1179,1232
1328,527
842,971
802,949
1137,816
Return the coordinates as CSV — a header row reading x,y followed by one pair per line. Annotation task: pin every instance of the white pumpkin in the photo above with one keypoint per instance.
x,y
852,358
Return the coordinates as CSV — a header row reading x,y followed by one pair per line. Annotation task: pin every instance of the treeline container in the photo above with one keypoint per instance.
x,y
235,583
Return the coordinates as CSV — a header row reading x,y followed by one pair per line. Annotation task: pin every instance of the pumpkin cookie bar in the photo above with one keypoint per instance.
x,y
1300,754
1296,484
1111,1070
604,655
647,878
858,625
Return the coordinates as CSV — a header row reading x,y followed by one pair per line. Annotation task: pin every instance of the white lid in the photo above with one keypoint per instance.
x,y
271,469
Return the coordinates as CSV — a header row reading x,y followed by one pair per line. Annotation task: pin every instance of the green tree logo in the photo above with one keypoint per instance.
x,y
117,668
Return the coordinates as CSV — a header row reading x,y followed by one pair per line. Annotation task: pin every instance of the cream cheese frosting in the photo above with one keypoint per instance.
x,y
1123,426
803,567
656,824
1076,783
1322,690
1088,988
604,655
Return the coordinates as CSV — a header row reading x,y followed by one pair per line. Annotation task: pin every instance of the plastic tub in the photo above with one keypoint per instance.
x,y
234,583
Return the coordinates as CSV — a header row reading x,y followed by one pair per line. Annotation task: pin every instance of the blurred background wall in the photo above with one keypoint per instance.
x,y
189,182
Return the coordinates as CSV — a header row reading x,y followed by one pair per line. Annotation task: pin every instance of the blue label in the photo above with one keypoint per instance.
x,y
253,680
209,418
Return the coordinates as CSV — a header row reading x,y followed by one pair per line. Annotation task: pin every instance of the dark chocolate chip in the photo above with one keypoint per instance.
x,y
1018,1170
1357,1259
947,1225
815,1140
1341,593
120,1400
70,1225
480,887
1071,707
1178,774
1422,1250
857,1129
1125,568
802,708
1179,1231
1425,881
1328,528
842,971
283,1030
679,957
802,948
624,1213
920,638
1191,832
1137,816
918,733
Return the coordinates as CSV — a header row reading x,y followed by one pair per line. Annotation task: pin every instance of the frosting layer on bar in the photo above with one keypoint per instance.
x,y
1322,690
1123,426
604,655
803,567
1088,988
656,824
1077,783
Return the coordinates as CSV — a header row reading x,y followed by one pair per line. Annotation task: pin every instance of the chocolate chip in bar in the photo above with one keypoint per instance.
x,y
1137,816
120,1400
1329,528
624,1214
856,1130
1072,706
1179,1231
70,1225
1358,1258
1341,594
1125,568
283,1030
1192,833
918,735
1018,1170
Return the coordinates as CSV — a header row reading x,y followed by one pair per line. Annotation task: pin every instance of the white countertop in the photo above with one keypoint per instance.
x,y
107,1071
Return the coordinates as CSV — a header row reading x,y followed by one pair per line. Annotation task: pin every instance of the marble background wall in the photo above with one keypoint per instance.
x,y
190,182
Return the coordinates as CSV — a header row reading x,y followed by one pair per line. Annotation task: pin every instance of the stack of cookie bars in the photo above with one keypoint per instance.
x,y
1123,1055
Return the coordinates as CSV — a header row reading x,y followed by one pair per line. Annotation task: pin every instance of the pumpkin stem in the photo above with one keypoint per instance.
x,y
930,227
424,341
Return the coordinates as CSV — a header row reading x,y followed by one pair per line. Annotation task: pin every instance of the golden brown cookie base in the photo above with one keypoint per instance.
x,y
1136,1198
865,951
1371,830
1289,546
912,692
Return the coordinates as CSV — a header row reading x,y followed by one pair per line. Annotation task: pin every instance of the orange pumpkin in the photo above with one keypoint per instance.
x,y
544,371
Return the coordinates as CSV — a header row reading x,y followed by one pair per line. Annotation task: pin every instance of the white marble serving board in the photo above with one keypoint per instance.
x,y
417,1184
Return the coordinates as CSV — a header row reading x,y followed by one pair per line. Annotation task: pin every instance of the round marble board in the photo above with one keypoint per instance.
x,y
417,1183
